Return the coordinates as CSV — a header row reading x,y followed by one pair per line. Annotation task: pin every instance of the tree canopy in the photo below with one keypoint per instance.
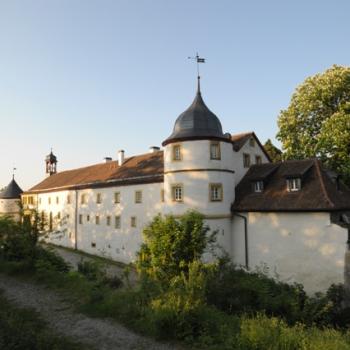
x,y
317,120
274,152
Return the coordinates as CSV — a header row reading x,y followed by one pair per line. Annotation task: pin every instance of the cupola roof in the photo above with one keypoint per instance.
x,y
51,158
11,191
196,122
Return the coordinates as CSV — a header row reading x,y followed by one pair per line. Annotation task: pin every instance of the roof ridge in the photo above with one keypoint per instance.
x,y
323,186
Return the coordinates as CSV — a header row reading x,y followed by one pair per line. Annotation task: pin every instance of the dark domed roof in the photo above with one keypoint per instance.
x,y
11,191
51,158
197,122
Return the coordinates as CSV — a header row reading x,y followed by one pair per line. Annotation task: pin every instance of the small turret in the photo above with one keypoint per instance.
x,y
51,164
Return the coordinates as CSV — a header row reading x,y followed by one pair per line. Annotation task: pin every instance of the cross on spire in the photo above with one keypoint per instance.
x,y
198,60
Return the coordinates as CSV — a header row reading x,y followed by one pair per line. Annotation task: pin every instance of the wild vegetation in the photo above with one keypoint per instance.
x,y
179,297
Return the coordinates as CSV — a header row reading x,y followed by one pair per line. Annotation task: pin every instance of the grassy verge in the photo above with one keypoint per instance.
x,y
23,329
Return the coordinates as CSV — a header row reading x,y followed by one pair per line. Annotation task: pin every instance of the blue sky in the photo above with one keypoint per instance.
x,y
91,77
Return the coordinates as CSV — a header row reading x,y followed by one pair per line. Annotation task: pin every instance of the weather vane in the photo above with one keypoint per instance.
x,y
198,60
13,172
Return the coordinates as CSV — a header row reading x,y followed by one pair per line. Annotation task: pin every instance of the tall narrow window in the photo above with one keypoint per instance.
x,y
215,150
138,196
83,199
50,221
97,219
177,193
98,198
69,199
87,217
216,192
133,221
117,197
108,220
57,200
162,195
117,222
80,219
258,160
246,160
49,200
176,152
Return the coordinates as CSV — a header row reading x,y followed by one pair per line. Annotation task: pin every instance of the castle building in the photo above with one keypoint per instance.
x,y
10,198
291,217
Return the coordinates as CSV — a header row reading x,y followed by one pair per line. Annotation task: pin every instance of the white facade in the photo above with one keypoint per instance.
x,y
296,247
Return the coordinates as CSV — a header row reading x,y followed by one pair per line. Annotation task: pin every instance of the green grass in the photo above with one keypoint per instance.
x,y
23,329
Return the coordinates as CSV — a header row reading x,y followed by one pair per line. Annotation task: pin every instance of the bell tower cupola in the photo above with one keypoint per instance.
x,y
51,164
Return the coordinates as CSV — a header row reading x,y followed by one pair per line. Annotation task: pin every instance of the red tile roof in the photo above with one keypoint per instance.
x,y
145,168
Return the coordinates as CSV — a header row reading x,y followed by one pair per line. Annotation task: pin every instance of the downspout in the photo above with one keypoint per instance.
x,y
245,238
76,221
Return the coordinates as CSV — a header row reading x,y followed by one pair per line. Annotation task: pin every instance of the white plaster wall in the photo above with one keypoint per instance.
x,y
297,247
9,207
63,229
196,155
240,170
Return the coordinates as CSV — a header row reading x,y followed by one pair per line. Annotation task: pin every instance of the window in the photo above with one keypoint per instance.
x,y
49,200
108,221
138,196
258,160
83,199
252,142
117,197
30,200
177,193
215,150
98,198
24,200
50,221
117,222
246,160
39,200
216,192
57,200
80,219
69,199
93,245
258,186
133,221
177,152
293,184
162,195
97,219
59,215
88,218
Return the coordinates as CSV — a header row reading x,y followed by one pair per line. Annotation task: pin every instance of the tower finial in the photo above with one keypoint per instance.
x,y
13,173
198,60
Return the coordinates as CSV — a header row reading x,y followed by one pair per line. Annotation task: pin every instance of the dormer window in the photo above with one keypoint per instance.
x,y
215,150
294,184
176,152
258,186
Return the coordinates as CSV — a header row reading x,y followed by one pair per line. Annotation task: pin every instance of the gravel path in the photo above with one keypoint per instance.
x,y
102,334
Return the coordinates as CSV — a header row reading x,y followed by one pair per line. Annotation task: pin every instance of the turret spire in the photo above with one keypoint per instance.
x,y
198,60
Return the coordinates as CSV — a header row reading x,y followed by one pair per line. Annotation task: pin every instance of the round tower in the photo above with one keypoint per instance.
x,y
10,198
198,166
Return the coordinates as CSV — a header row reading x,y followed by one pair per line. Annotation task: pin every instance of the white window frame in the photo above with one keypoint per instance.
x,y
215,192
116,197
215,152
294,184
177,193
177,154
117,222
138,197
258,186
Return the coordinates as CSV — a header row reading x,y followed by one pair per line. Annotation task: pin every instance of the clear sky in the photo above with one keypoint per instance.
x,y
89,77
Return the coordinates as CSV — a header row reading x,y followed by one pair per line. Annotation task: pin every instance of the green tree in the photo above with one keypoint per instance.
x,y
274,152
317,121
171,245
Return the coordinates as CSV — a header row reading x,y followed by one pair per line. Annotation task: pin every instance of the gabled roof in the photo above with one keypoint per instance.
x,y
11,191
319,191
145,168
239,140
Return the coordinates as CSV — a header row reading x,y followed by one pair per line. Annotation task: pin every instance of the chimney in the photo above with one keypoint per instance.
x,y
153,149
121,157
107,159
